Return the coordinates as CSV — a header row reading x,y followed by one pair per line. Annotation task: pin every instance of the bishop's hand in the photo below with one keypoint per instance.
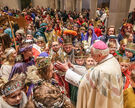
x,y
62,66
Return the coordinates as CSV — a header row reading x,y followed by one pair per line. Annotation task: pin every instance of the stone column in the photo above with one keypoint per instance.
x,y
68,5
132,6
118,11
52,4
56,4
78,5
93,8
62,5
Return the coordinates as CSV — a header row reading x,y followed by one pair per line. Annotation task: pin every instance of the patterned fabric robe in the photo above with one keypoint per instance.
x,y
102,87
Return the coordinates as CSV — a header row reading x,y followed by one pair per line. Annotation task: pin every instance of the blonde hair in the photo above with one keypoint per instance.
x,y
111,44
9,59
124,41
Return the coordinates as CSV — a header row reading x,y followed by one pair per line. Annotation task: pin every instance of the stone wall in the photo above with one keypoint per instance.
x,y
118,11
15,4
44,3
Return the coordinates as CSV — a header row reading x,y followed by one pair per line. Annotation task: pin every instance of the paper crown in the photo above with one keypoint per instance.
x,y
79,54
16,85
124,59
67,40
70,32
131,47
42,62
68,36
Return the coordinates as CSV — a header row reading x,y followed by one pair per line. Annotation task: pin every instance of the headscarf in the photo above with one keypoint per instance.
x,y
94,36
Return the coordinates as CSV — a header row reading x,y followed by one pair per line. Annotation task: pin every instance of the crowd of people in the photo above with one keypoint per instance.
x,y
64,59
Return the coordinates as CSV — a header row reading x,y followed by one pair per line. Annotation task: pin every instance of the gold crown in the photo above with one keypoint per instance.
x,y
79,54
16,85
124,59
67,38
42,62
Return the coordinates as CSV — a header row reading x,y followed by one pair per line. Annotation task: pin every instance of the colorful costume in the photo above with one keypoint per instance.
x,y
129,98
102,86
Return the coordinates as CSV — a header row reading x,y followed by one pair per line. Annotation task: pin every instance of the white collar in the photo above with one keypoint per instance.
x,y
106,58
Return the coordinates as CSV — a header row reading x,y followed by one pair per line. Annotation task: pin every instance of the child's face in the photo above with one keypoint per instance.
x,y
90,31
112,49
129,54
67,48
79,61
18,36
130,39
29,37
123,46
111,31
14,98
27,54
124,66
90,61
76,28
55,46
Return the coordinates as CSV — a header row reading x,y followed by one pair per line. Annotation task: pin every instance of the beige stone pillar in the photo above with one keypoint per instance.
x,y
132,5
93,8
118,11
78,5
56,4
52,4
62,5
68,5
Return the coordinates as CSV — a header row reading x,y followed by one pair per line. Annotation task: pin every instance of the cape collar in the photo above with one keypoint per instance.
x,y
105,59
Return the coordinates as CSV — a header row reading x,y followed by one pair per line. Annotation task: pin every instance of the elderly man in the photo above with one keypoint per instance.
x,y
101,87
